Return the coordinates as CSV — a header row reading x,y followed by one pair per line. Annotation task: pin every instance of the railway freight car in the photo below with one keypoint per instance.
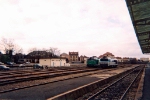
x,y
107,62
92,62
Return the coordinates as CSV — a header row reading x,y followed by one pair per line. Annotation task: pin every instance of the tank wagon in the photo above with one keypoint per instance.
x,y
107,62
92,62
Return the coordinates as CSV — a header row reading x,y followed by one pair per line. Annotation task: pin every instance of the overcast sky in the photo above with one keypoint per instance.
x,y
90,27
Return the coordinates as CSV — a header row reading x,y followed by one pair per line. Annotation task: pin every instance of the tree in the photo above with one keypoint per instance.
x,y
32,49
17,49
54,51
5,58
9,46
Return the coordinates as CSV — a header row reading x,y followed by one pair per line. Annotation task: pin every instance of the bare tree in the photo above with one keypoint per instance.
x,y
32,49
17,49
8,45
50,52
54,51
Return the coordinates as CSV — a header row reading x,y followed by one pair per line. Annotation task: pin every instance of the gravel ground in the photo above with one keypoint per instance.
x,y
46,91
146,87
42,81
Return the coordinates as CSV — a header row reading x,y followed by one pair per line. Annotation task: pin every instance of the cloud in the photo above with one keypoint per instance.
x,y
91,27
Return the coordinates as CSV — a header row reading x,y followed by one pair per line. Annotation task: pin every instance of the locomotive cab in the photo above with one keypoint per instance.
x,y
106,62
91,62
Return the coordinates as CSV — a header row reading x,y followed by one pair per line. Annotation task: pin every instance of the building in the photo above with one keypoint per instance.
x,y
125,59
73,57
133,60
144,59
83,59
19,57
36,55
107,54
119,59
53,62
65,55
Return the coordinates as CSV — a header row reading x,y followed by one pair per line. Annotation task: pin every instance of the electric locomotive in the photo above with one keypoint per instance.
x,y
107,62
92,62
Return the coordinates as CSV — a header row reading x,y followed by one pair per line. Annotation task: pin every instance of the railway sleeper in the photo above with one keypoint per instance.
x,y
76,93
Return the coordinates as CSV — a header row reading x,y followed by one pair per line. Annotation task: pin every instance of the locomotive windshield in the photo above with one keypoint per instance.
x,y
104,59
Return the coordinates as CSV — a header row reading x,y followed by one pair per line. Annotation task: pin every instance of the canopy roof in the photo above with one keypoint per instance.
x,y
140,15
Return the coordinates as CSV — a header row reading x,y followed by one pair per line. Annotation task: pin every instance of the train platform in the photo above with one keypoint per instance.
x,y
146,84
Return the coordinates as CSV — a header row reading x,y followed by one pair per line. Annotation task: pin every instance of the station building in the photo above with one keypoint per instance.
x,y
53,62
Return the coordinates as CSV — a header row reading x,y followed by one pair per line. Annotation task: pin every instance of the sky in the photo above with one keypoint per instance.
x,y
90,27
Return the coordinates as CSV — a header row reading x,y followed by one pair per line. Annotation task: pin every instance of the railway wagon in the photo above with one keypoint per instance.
x,y
92,62
106,62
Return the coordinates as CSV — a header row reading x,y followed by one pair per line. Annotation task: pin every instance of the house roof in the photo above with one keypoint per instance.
x,y
53,58
118,58
108,53
73,53
64,54
84,56
126,58
100,56
39,53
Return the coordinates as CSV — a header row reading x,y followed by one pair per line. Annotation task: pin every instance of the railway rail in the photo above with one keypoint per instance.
x,y
92,89
81,72
41,75
119,90
15,76
35,72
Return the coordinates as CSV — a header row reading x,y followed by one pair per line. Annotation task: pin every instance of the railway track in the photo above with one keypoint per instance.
x,y
23,72
4,80
83,72
91,90
119,90
19,80
15,76
35,72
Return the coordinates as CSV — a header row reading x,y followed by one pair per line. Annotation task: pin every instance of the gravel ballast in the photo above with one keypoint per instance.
x,y
46,91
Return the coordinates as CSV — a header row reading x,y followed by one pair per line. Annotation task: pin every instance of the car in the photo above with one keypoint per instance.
x,y
27,62
1,63
3,67
21,65
10,63
37,66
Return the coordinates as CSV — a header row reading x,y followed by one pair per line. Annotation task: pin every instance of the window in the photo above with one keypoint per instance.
x,y
104,59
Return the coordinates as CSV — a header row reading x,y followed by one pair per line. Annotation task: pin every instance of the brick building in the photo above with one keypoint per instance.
x,y
73,56
83,58
107,54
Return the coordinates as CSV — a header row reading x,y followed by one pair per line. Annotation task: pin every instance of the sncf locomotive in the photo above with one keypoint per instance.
x,y
108,62
104,62
92,62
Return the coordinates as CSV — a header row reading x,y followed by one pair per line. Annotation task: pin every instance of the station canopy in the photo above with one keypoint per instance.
x,y
140,15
